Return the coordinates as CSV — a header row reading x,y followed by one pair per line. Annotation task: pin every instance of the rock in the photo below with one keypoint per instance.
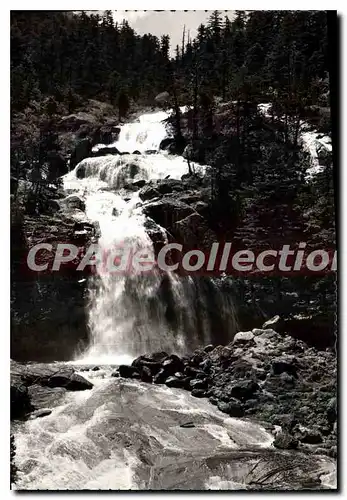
x,y
198,384
331,410
72,202
285,441
115,374
188,425
232,408
172,364
272,322
175,382
82,150
286,421
243,337
74,383
105,151
244,389
281,365
126,371
20,400
41,413
206,365
95,369
160,377
148,193
162,98
193,231
166,186
198,393
167,211
208,348
165,143
140,183
151,151
311,436
136,152
146,374
73,122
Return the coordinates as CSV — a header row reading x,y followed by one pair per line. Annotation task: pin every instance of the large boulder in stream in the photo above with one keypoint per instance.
x,y
167,211
82,150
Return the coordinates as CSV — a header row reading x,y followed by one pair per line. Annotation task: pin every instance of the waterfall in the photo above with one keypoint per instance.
x,y
133,314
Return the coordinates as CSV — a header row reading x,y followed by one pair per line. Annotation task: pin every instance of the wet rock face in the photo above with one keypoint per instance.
x,y
34,387
262,375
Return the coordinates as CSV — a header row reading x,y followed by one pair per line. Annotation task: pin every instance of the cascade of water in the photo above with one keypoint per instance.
x,y
133,314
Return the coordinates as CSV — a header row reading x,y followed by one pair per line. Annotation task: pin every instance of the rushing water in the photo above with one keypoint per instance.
x,y
133,314
126,434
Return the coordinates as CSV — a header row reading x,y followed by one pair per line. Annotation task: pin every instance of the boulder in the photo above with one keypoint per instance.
x,y
105,152
167,211
146,374
331,411
281,365
174,381
272,322
127,371
73,122
232,408
82,150
243,337
148,193
311,436
198,384
285,441
193,231
78,383
245,389
198,393
20,399
72,202
165,143
162,98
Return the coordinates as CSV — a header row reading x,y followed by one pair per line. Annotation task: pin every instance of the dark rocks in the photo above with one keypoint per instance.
x,y
105,151
188,425
126,371
209,348
148,193
175,382
165,143
232,408
282,365
172,364
82,150
146,374
136,152
198,384
20,400
244,389
167,211
285,441
71,382
331,410
198,393
311,436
